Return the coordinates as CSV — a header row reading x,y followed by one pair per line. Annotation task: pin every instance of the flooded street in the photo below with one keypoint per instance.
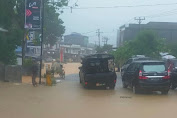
x,y
69,99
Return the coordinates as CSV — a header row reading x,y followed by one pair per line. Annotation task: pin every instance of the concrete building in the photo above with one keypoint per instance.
x,y
74,52
166,30
77,39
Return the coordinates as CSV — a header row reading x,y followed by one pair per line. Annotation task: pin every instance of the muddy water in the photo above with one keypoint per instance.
x,y
69,99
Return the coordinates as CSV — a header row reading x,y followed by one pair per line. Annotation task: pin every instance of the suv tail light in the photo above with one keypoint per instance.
x,y
141,75
168,75
114,81
169,72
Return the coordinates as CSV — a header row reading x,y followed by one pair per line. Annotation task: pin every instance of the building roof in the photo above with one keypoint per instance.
x,y
153,25
75,34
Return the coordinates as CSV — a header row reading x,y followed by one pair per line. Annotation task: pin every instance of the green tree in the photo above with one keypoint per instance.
x,y
172,48
11,20
53,25
105,49
146,43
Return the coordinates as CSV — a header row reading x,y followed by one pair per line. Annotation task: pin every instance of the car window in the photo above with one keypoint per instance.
x,y
131,67
154,68
129,61
111,65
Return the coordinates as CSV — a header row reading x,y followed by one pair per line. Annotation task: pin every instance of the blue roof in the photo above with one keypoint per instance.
x,y
19,49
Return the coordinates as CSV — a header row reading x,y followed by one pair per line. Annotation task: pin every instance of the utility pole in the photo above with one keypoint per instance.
x,y
42,37
95,43
118,38
105,40
98,32
139,19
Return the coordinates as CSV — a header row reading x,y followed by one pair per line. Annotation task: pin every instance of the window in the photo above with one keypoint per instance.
x,y
111,65
154,68
130,68
129,61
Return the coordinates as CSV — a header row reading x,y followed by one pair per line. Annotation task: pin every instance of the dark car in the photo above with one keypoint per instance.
x,y
98,70
172,66
147,75
129,61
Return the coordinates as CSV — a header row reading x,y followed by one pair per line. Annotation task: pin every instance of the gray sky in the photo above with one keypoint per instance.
x,y
109,20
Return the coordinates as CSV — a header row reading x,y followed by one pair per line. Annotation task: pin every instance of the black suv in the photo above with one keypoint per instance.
x,y
98,70
129,61
147,75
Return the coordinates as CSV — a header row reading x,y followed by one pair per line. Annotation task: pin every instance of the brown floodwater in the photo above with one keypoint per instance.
x,y
68,99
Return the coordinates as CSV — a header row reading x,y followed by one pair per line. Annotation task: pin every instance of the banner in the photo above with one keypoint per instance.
x,y
61,54
32,14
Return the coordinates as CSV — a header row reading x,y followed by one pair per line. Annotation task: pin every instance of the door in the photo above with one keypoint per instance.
x,y
128,73
131,73
125,66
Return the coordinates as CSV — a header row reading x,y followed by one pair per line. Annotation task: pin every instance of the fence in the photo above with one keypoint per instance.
x,y
11,73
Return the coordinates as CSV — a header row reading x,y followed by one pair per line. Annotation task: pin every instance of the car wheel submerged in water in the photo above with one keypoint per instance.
x,y
165,92
135,89
124,84
112,86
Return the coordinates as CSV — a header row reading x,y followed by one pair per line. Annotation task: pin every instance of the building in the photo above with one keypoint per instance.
x,y
74,52
166,30
76,39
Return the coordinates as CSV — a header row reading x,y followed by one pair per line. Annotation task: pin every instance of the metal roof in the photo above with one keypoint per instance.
x,y
99,56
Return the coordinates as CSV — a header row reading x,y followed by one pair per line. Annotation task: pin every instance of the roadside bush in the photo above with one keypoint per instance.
x,y
27,66
28,62
54,81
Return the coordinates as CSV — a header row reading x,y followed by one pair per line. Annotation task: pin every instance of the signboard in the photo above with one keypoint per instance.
x,y
32,14
61,54
31,35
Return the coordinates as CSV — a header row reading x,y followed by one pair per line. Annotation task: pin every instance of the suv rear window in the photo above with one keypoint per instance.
x,y
154,68
100,66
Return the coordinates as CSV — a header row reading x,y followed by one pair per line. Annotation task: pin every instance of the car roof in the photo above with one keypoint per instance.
x,y
98,56
141,58
148,61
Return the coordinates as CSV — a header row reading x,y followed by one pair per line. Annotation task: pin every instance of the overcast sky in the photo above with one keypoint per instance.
x,y
108,20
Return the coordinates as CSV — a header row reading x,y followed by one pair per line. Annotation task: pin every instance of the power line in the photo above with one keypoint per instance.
x,y
126,6
171,12
88,32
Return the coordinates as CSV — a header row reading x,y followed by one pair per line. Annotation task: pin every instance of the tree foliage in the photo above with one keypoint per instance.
x,y
172,48
105,49
146,43
53,25
11,19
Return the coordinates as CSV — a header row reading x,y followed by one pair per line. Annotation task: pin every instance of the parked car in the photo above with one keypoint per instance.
x,y
98,70
129,61
148,75
172,66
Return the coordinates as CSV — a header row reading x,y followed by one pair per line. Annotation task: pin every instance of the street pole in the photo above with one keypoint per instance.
x,y
42,37
139,22
98,32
